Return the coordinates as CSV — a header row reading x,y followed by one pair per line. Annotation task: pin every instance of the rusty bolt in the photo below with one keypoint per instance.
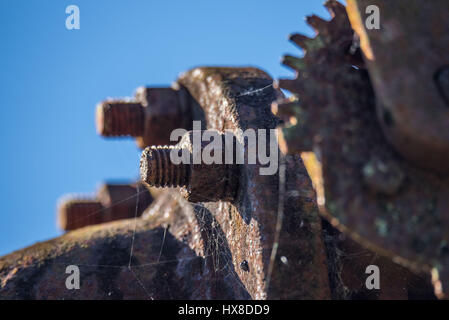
x,y
113,202
199,182
120,118
150,117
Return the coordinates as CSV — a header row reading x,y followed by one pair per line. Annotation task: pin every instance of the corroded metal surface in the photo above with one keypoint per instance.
x,y
165,258
364,187
407,58
210,250
348,260
238,99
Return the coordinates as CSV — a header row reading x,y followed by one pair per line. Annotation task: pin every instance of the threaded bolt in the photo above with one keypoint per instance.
x,y
75,214
156,168
120,118
199,182
150,117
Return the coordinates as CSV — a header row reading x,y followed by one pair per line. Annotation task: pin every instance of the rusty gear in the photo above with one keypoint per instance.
x,y
364,187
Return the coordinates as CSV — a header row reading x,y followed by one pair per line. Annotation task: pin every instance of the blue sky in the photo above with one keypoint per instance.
x,y
52,78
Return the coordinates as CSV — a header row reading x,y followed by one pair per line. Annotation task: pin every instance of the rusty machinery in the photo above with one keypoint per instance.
x,y
245,235
372,124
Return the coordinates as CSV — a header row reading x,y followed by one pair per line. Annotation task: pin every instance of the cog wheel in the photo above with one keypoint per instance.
x,y
364,187
332,49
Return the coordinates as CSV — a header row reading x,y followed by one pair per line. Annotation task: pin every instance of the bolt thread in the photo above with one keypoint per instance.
x,y
120,118
75,214
157,170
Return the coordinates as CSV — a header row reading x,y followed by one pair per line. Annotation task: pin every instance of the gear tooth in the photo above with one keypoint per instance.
x,y
300,40
335,8
287,84
317,23
293,62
